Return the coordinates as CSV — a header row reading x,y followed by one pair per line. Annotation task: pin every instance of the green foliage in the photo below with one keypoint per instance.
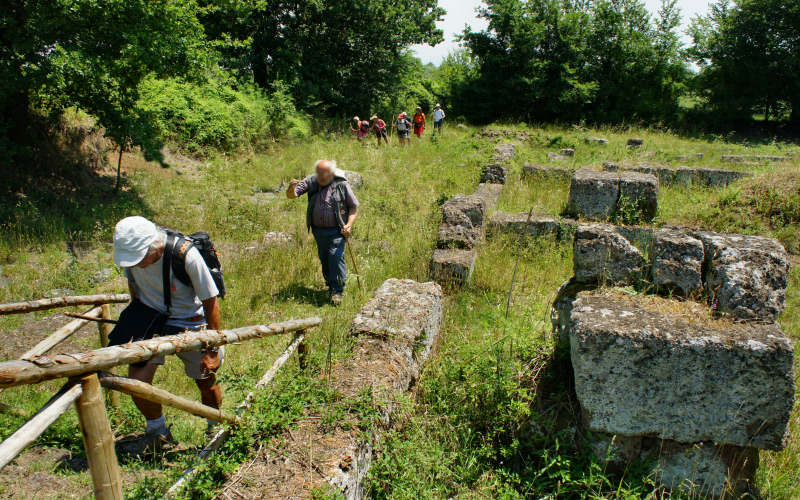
x,y
91,55
335,56
546,60
748,54
218,114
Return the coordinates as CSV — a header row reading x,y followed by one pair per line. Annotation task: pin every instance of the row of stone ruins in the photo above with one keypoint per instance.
x,y
463,218
691,373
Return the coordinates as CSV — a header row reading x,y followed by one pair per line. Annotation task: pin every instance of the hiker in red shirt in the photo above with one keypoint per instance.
x,y
379,127
419,122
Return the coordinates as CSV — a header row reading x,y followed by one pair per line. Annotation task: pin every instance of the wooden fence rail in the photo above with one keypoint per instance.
x,y
37,424
79,300
22,372
61,334
84,388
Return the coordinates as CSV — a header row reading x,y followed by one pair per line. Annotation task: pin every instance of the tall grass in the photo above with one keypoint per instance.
x,y
492,415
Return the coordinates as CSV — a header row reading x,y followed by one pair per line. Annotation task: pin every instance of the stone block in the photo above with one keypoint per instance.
x,y
635,142
611,166
638,192
518,223
546,173
355,179
494,173
746,276
677,262
709,177
665,175
593,194
554,157
569,152
490,194
504,153
647,366
701,470
753,158
453,267
462,222
603,256
395,331
596,140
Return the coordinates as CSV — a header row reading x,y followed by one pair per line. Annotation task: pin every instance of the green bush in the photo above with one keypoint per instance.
x,y
217,114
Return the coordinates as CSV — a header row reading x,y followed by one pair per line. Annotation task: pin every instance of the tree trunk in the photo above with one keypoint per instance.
x,y
119,168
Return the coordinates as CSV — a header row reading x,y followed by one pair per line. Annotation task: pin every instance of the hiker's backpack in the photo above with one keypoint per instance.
x,y
419,118
402,125
365,126
179,245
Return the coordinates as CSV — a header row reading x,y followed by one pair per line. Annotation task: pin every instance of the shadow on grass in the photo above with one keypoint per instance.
x,y
302,294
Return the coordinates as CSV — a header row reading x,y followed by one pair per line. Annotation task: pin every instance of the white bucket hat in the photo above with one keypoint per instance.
x,y
132,238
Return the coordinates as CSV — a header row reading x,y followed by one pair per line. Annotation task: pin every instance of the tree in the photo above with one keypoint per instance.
x,y
601,60
749,55
335,56
91,54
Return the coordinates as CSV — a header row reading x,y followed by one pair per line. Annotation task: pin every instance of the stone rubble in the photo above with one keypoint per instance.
x,y
494,173
462,222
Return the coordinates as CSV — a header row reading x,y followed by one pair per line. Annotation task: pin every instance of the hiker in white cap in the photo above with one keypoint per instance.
x,y
438,118
161,304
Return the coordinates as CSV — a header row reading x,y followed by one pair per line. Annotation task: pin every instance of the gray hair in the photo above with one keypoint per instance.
x,y
160,241
332,162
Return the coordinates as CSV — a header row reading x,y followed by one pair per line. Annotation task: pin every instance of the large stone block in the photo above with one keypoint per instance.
x,y
702,470
746,276
518,223
709,177
490,194
546,173
603,256
395,331
462,222
453,267
593,194
494,173
504,153
355,179
635,142
753,158
677,262
638,192
647,366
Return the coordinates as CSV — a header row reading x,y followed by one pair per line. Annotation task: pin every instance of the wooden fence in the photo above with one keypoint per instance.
x,y
87,372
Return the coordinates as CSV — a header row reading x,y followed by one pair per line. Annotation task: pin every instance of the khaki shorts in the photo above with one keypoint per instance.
x,y
192,362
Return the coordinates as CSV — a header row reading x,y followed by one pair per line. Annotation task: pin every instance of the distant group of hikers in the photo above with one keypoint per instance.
x,y
175,281
404,125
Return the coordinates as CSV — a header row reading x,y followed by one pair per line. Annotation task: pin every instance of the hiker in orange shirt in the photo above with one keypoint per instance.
x,y
419,122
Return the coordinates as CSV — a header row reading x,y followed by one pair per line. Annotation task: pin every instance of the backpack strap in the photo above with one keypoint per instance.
x,y
166,266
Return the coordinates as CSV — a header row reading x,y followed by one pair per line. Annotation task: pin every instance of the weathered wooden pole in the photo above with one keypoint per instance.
x,y
21,372
146,391
37,424
59,335
98,441
79,300
104,330
302,354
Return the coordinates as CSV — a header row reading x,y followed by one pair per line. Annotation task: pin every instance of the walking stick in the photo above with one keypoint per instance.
x,y
516,264
353,260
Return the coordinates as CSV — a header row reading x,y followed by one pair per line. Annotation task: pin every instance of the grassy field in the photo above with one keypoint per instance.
x,y
492,415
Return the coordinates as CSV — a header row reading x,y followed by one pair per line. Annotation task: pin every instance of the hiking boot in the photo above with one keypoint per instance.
x,y
160,442
336,299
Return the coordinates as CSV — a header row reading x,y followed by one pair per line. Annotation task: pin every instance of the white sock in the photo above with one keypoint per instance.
x,y
156,426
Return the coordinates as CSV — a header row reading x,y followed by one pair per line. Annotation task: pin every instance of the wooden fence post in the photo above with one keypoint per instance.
x,y
98,441
302,352
105,329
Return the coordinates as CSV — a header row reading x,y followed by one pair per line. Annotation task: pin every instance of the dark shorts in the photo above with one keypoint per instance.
x,y
380,133
438,124
404,134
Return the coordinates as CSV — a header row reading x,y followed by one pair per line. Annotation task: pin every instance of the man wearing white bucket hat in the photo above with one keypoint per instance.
x,y
162,304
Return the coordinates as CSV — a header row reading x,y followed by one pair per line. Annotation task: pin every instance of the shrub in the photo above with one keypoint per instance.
x,y
217,114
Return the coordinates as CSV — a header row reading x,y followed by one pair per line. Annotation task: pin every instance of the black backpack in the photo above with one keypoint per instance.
x,y
176,248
